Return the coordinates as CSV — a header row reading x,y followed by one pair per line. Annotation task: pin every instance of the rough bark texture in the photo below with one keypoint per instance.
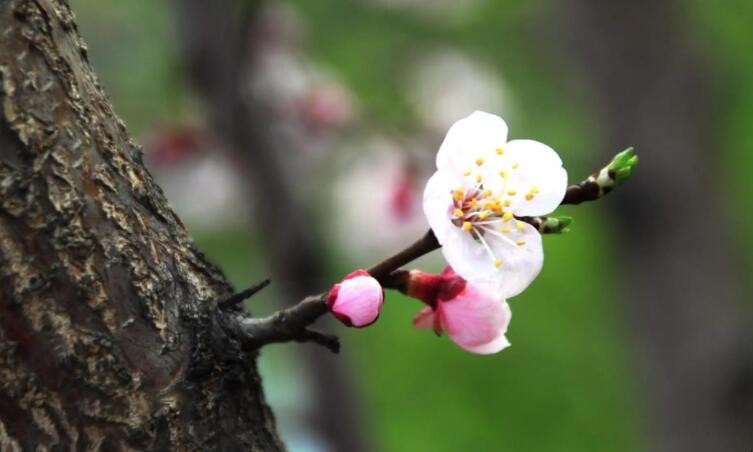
x,y
685,306
109,337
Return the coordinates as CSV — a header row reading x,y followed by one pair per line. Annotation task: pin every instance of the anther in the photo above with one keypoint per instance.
x,y
467,226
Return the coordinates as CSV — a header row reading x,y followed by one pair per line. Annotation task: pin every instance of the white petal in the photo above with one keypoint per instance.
x,y
468,257
438,205
475,136
520,251
539,168
522,256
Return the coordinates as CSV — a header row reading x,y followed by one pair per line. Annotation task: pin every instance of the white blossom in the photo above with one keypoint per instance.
x,y
482,186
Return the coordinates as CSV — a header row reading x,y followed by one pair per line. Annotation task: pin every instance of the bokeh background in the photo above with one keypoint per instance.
x,y
294,139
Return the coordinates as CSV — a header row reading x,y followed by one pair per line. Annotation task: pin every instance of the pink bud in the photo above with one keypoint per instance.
x,y
473,315
356,300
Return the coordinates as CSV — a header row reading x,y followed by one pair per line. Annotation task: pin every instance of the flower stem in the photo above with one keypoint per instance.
x,y
420,247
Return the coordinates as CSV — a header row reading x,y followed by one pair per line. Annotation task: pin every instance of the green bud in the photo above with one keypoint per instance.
x,y
565,221
622,165
555,225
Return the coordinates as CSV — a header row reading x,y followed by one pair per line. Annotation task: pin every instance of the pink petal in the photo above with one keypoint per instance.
x,y
427,318
357,300
489,348
476,320
424,318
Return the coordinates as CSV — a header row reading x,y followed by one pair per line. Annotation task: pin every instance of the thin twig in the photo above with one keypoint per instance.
x,y
422,246
291,324
600,183
238,297
548,225
286,325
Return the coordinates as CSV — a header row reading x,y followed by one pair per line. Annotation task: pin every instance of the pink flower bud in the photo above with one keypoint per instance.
x,y
356,300
473,315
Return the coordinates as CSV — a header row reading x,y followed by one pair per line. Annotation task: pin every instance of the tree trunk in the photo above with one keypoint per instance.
x,y
685,305
109,334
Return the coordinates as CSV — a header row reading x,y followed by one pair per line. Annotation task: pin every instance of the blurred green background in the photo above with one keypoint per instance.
x,y
567,383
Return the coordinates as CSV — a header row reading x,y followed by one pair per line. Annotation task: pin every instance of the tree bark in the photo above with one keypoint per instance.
x,y
110,338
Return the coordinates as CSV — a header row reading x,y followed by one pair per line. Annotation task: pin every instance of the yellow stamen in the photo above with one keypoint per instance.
x,y
488,204
483,215
505,229
459,213
520,242
459,194
534,189
479,161
512,192
529,196
507,216
474,201
515,165
500,151
486,193
497,263
504,174
521,225
467,226
479,178
496,207
507,203
467,172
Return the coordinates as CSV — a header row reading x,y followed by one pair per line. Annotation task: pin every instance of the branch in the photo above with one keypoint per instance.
x,y
549,225
422,246
291,324
237,298
600,183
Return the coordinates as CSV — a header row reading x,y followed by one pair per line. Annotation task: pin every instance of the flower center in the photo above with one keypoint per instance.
x,y
481,211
